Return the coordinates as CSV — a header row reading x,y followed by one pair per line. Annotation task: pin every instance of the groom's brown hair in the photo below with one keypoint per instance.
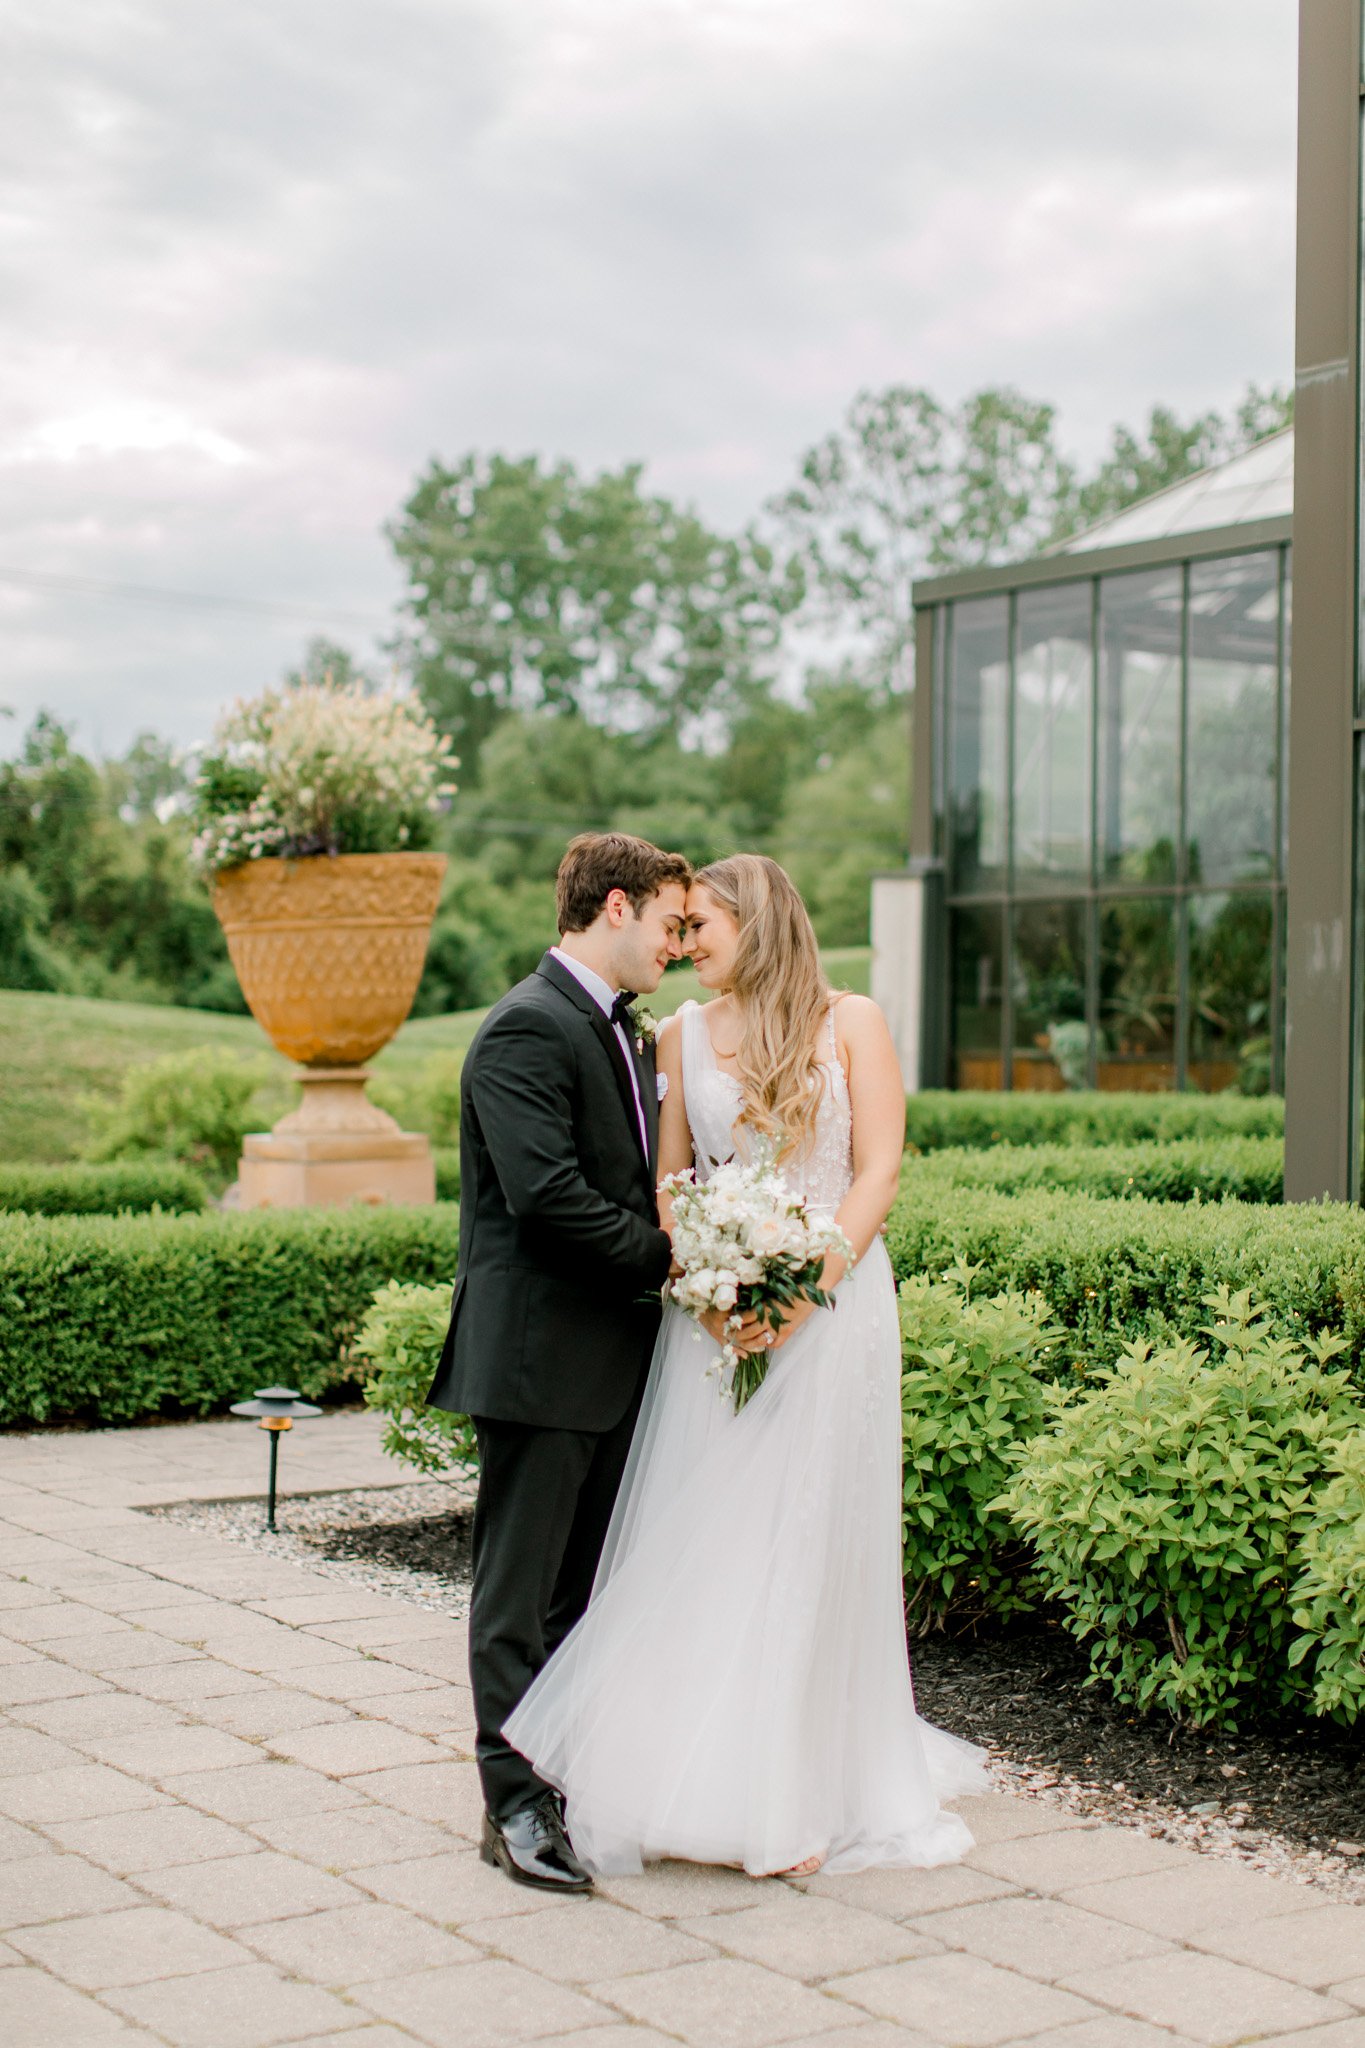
x,y
597,862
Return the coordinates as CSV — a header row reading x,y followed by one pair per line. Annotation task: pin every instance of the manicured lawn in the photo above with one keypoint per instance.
x,y
54,1049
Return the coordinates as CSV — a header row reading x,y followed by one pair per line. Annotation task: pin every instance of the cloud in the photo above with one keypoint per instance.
x,y
262,262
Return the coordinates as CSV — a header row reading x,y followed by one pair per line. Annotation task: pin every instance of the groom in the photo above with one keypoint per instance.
x,y
552,1324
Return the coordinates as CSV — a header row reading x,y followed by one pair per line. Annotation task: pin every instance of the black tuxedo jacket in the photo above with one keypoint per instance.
x,y
560,1245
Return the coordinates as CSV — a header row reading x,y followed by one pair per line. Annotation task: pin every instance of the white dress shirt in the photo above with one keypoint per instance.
x,y
605,998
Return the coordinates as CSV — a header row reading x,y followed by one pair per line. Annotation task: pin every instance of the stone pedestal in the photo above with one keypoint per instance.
x,y
335,1148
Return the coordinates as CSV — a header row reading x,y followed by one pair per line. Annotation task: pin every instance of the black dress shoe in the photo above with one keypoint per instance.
x,y
532,1847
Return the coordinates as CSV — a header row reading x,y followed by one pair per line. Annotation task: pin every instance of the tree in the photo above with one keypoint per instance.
x,y
1139,463
907,484
535,588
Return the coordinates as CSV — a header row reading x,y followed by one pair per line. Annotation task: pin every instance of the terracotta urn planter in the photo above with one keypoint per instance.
x,y
329,951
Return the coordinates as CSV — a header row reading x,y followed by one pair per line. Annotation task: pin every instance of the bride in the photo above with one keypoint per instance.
x,y
738,1690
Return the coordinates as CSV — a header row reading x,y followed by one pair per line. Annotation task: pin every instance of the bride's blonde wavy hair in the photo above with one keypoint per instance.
x,y
782,995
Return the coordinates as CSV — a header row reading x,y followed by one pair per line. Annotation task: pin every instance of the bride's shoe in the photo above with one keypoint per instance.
x,y
806,1868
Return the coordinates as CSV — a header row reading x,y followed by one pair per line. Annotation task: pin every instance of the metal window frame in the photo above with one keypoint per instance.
x,y
939,598
1324,1023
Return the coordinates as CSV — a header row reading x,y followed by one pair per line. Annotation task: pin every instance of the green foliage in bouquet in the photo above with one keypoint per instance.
x,y
400,1342
973,1388
192,1106
1167,1505
1329,1595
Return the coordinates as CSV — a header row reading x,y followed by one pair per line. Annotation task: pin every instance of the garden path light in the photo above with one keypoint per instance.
x,y
278,1408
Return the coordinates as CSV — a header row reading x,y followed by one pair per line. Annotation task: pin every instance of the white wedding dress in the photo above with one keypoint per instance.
x,y
738,1690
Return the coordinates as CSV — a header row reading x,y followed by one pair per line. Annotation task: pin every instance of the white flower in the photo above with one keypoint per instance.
x,y
725,1293
764,1235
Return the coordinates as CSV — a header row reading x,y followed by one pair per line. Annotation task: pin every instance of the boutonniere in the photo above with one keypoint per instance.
x,y
644,1024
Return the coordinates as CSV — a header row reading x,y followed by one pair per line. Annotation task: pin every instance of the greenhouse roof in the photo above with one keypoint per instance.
x,y
1253,486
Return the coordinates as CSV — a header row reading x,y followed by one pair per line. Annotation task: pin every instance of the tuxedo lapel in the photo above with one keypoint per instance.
x,y
565,982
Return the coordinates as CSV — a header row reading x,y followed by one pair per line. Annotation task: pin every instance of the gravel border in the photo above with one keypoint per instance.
x,y
411,1543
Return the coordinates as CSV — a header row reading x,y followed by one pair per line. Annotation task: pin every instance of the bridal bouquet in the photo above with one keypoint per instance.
x,y
746,1243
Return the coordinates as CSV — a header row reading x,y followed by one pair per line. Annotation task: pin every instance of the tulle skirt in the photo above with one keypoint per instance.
x,y
738,1690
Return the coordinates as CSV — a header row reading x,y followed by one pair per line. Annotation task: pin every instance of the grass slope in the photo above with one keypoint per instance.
x,y
57,1048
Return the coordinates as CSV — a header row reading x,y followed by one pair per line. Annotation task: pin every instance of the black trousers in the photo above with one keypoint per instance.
x,y
544,1505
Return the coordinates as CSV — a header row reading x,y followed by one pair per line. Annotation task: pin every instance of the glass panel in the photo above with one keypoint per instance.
x,y
1051,1041
978,687
1230,941
1139,720
1231,767
1052,736
978,997
1137,994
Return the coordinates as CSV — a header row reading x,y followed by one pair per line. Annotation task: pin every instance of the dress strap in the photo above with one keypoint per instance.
x,y
833,1040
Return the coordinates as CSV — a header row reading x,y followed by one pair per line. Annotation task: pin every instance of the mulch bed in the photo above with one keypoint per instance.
x,y
1022,1692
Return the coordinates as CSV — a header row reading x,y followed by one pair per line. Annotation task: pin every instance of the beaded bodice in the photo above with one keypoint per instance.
x,y
822,1171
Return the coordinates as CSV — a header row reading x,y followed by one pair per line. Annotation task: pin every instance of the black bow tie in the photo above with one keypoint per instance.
x,y
620,1009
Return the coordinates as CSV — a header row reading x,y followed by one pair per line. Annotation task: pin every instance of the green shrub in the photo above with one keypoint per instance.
x,y
114,1318
942,1117
400,1341
193,1106
101,1190
972,1388
447,1159
1117,1272
1181,1170
1329,1595
1166,1506
425,1098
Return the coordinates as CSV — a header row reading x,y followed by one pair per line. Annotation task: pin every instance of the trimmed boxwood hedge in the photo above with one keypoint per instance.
x,y
940,1117
447,1158
101,1190
114,1318
1184,1170
1114,1271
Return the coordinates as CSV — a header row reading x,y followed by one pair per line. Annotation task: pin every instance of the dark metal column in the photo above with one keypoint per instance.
x,y
1319,1081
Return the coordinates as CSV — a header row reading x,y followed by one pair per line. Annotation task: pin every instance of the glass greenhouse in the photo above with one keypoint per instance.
x,y
1097,894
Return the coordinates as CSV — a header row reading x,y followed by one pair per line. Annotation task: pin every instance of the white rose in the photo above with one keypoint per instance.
x,y
765,1235
726,1292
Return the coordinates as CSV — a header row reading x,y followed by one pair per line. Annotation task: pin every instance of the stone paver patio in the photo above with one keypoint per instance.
x,y
237,1808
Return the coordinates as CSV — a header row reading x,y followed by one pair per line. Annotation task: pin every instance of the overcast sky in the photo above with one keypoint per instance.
x,y
262,260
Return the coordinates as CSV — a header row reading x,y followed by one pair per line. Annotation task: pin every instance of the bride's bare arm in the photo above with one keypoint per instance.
x,y
877,1099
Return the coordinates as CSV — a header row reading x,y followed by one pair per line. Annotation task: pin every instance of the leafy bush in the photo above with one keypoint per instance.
x,y
114,1318
1183,1170
972,1389
941,1117
1329,1595
1166,1506
100,1190
192,1106
447,1159
1117,1272
400,1341
426,1098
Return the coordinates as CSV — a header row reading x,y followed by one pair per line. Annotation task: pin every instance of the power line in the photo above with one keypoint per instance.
x,y
187,600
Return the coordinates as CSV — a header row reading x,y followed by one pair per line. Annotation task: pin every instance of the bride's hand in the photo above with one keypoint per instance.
x,y
750,1335
792,1319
